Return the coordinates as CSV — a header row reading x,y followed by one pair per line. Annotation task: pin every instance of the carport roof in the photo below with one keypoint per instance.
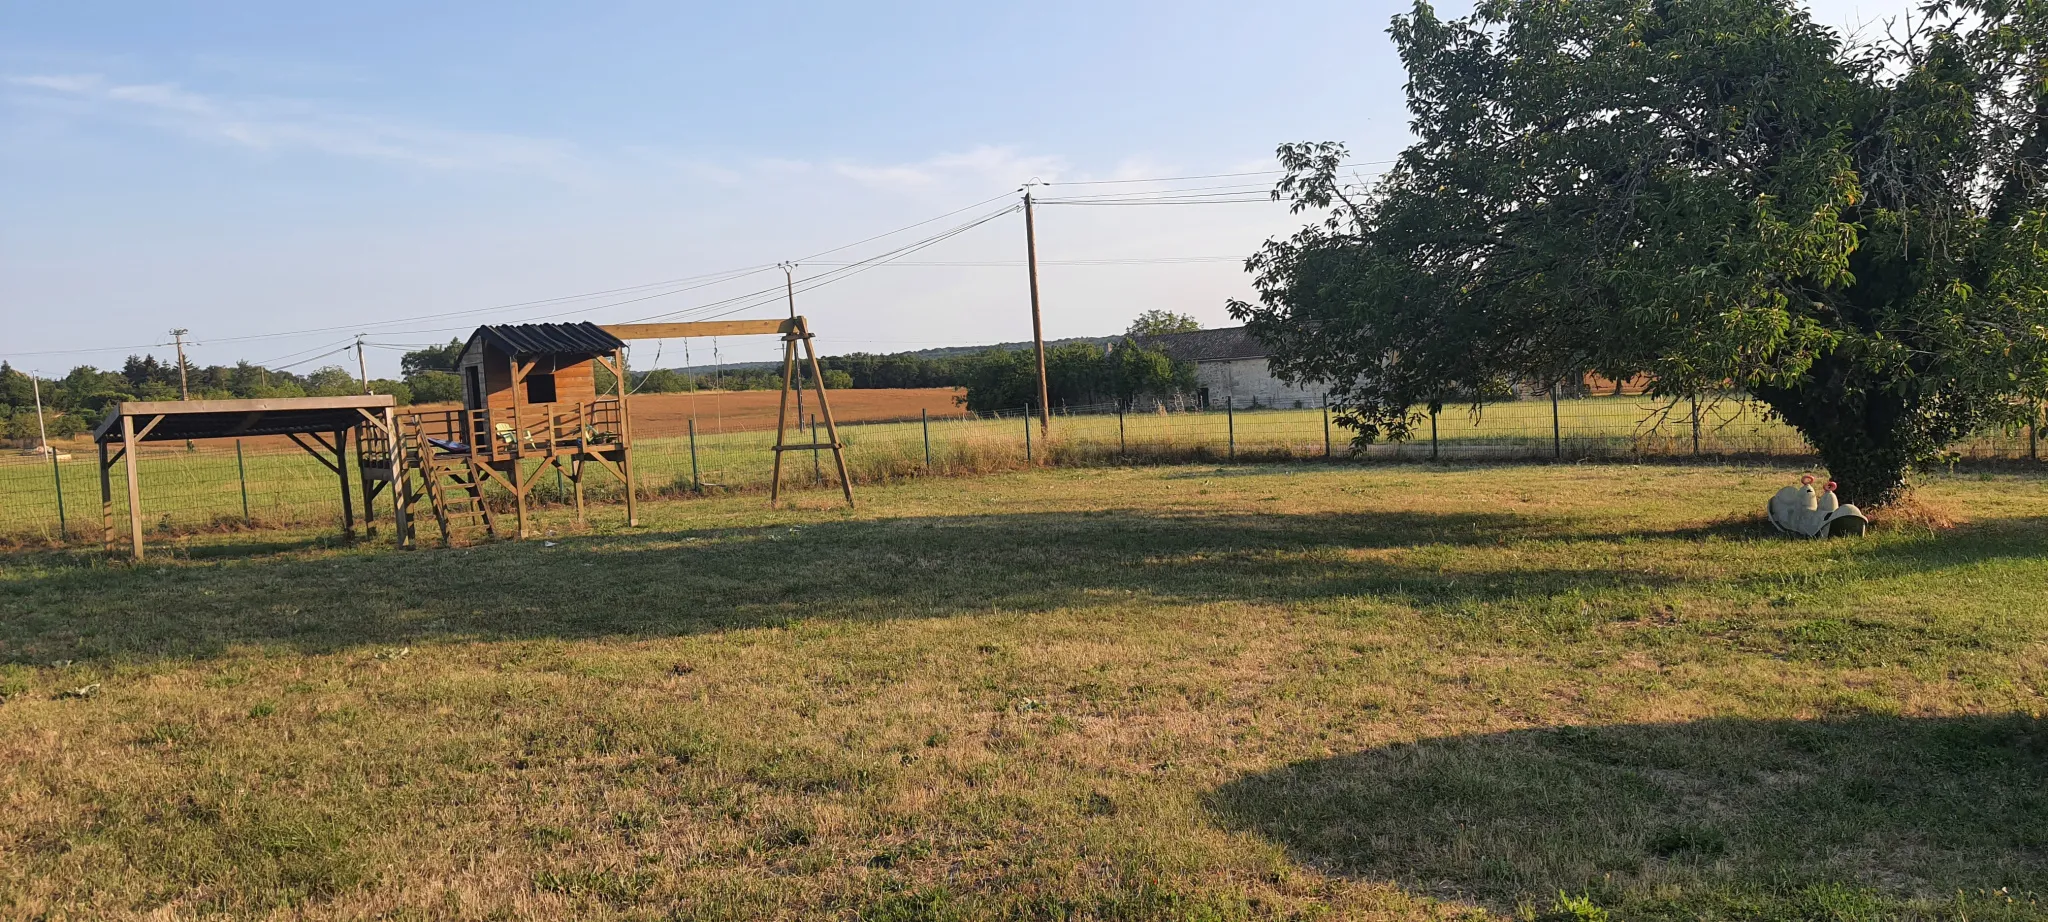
x,y
176,420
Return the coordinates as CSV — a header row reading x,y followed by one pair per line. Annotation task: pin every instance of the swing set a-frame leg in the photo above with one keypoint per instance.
x,y
782,415
825,407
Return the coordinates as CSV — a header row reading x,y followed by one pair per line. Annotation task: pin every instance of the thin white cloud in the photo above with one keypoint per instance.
x,y
272,125
986,165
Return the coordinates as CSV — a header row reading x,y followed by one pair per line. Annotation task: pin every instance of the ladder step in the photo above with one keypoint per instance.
x,y
807,447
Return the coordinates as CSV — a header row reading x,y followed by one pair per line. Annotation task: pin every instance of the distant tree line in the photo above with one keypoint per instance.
x,y
995,379
1077,374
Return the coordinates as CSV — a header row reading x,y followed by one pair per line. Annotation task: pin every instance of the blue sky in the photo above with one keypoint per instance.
x,y
277,176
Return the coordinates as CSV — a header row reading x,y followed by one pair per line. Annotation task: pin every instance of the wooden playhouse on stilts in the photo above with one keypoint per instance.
x,y
532,398
530,401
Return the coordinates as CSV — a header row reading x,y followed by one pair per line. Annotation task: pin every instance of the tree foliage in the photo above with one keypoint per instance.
x,y
1076,374
1708,193
1155,322
432,358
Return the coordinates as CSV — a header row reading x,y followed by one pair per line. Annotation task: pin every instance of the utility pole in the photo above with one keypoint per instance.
x,y
178,336
789,284
1037,323
362,367
35,382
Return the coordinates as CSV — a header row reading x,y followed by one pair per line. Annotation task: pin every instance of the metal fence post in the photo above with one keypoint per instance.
x,y
242,475
924,417
696,477
817,470
1230,422
1027,433
1432,434
2034,433
1327,453
1695,424
1556,428
57,474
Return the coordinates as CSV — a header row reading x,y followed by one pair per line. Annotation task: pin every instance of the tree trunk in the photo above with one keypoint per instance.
x,y
1858,439
1869,480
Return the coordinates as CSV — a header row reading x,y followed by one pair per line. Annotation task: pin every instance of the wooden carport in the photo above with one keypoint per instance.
x,y
319,418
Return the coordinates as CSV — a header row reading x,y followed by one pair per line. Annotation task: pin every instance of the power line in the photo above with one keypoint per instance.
x,y
1109,182
705,280
1013,263
899,230
835,275
92,351
677,286
1165,201
1259,187
333,349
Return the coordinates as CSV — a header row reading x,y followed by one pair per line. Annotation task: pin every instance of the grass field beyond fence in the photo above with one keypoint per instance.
x,y
213,485
1192,692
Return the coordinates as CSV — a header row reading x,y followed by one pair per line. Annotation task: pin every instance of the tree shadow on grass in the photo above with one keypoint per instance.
x,y
1863,818
696,581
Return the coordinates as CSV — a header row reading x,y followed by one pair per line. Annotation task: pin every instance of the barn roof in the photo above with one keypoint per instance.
x,y
546,338
1222,345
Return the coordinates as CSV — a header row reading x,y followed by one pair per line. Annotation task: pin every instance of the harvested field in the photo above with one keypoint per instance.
x,y
659,415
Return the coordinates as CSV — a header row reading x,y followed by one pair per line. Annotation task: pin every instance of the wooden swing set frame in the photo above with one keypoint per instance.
x,y
795,332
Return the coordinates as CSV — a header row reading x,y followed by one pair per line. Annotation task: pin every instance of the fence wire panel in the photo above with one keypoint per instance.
x,y
273,483
205,486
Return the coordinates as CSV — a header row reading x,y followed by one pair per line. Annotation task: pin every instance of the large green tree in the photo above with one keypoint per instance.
x,y
1709,193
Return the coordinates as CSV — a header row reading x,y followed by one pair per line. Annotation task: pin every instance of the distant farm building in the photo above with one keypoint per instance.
x,y
1231,369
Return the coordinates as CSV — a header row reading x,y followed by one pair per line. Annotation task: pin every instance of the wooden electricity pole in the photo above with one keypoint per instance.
x,y
178,336
1037,323
789,284
362,367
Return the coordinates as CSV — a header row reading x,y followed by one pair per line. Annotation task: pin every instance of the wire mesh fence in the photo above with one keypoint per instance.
x,y
270,482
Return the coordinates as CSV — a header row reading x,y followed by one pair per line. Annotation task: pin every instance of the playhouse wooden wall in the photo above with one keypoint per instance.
x,y
575,378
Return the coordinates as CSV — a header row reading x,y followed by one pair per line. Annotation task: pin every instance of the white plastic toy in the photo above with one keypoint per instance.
x,y
1801,511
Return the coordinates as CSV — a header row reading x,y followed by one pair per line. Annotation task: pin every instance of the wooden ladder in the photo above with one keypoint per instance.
x,y
454,489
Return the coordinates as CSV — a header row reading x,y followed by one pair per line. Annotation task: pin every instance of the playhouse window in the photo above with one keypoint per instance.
x,y
540,388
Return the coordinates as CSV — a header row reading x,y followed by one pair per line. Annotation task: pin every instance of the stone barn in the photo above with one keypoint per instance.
x,y
1230,367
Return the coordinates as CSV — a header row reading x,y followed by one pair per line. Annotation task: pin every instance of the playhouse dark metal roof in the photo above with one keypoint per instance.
x,y
547,338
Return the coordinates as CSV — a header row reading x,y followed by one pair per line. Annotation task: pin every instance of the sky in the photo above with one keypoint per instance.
x,y
277,178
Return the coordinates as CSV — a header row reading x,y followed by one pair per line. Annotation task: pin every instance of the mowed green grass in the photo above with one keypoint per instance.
x,y
1195,692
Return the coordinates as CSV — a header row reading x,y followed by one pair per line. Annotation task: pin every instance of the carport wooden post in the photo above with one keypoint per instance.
x,y
626,440
106,499
348,503
369,495
396,456
134,485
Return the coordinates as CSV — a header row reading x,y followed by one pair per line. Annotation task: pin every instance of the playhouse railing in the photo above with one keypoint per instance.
x,y
506,433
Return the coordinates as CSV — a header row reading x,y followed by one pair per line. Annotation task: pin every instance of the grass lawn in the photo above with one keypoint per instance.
x,y
1167,693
